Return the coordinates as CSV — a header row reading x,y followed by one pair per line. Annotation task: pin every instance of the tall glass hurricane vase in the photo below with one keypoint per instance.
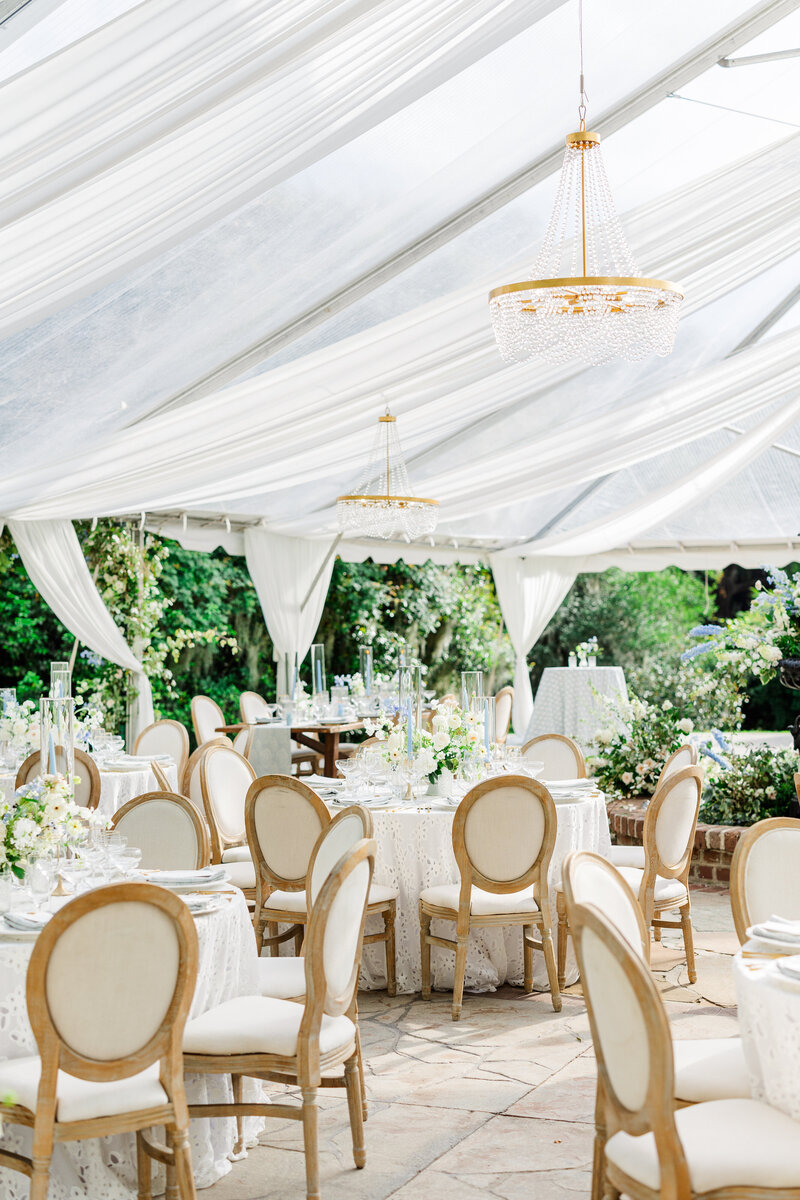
x,y
60,680
57,746
318,681
471,688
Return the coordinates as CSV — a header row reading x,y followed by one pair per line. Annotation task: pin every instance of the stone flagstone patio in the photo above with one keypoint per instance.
x,y
499,1104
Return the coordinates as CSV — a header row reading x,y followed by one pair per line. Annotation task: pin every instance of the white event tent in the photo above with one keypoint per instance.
x,y
231,231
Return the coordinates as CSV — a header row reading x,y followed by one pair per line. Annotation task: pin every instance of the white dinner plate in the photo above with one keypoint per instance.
x,y
193,886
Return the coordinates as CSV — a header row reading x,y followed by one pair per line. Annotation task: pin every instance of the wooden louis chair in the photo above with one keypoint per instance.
x,y
633,856
562,758
109,986
168,830
765,873
87,789
224,779
645,1148
504,832
662,885
165,737
503,704
285,1042
207,717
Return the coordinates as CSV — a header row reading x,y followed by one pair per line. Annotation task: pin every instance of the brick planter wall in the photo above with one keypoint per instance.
x,y
713,844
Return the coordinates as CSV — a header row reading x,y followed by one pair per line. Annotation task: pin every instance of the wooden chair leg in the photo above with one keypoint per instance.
x,y
183,1164
656,933
599,1167
391,953
144,1171
40,1178
310,1143
351,1083
425,950
688,941
527,959
562,934
550,963
237,1082
362,1081
647,912
298,940
460,975
171,1190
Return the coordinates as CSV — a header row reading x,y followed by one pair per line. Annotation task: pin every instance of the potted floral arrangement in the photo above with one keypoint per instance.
x,y
748,786
19,727
40,816
629,754
588,652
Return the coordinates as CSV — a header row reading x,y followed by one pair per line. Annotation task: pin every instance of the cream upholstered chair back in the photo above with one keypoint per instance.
x,y
632,1041
765,873
332,949
670,823
242,742
207,716
284,819
252,706
503,835
167,829
503,703
224,779
561,756
165,737
589,879
110,981
684,756
337,838
190,784
87,789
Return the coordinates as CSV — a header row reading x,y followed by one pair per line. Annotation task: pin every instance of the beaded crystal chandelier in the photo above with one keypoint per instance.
x,y
383,506
585,301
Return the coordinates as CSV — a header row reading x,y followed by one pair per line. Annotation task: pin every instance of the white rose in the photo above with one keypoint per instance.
x,y
440,739
627,778
667,705
605,736
685,725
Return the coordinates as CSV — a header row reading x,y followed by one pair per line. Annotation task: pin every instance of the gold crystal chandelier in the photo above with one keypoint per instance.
x,y
383,506
585,302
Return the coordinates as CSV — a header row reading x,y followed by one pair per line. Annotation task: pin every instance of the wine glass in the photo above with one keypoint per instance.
x,y
40,878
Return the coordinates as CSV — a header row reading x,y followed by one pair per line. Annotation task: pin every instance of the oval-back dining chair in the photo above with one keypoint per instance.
x,y
167,829
165,737
87,789
562,757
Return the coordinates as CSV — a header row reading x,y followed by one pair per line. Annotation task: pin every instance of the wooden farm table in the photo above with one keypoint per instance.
x,y
324,740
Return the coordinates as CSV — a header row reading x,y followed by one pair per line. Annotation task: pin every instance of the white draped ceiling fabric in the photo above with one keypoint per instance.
x,y
231,232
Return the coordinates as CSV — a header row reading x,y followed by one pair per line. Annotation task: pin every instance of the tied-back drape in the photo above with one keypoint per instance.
x,y
52,556
283,570
530,591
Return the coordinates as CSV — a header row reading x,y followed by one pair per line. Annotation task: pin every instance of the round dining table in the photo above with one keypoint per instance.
x,y
117,786
570,700
415,851
105,1168
769,1023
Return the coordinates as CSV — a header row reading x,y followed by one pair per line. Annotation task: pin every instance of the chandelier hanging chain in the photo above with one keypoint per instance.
x,y
585,300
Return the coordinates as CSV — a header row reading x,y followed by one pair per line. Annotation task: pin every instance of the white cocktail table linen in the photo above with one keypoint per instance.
x,y
105,1169
769,1023
415,851
566,701
116,787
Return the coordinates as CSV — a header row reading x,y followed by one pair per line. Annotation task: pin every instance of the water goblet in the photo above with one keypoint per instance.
x,y
40,877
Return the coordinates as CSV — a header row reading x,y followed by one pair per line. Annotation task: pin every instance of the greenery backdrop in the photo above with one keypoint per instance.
x,y
196,619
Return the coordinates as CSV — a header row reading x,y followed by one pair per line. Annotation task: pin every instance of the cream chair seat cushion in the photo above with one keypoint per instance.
x,y
665,889
237,854
708,1069
727,1143
295,902
627,856
282,978
482,904
82,1099
241,874
261,1025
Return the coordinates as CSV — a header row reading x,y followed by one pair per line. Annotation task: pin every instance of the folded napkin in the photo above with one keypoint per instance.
x,y
778,927
571,785
198,903
316,781
26,921
214,874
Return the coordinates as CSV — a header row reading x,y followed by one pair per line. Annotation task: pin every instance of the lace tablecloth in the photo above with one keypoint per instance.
x,y
769,1022
566,701
105,1169
116,787
415,851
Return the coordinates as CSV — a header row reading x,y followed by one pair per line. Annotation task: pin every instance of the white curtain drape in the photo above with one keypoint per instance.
x,y
182,110
530,592
52,556
440,367
283,570
616,529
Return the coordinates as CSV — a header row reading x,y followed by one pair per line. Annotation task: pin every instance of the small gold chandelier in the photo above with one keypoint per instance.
x,y
586,301
383,506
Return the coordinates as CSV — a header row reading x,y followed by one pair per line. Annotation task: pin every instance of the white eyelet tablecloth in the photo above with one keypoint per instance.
x,y
769,1022
415,851
105,1169
116,787
565,701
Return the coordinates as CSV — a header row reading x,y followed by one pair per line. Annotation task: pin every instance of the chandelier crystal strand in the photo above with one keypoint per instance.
x,y
585,301
383,505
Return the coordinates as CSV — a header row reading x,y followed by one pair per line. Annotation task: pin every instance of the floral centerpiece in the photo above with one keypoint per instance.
x,y
588,649
756,641
41,815
629,754
456,736
748,786
19,726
